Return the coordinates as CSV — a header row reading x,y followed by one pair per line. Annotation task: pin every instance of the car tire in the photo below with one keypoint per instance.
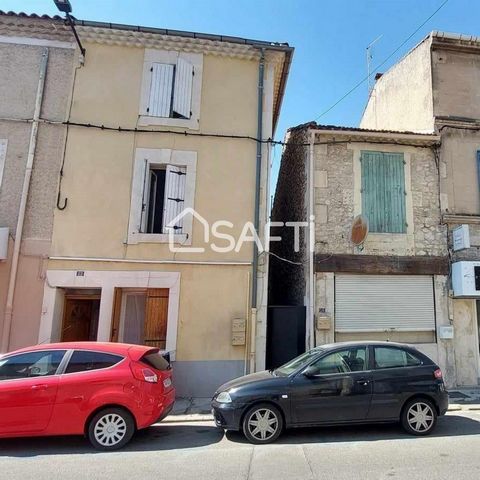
x,y
419,416
111,429
263,423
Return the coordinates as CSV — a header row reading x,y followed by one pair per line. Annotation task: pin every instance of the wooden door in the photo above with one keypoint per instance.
x,y
156,314
77,320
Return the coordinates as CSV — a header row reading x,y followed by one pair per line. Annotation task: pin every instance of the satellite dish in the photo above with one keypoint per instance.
x,y
359,231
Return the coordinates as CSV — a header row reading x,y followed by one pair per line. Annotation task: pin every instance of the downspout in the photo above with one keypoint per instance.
x,y
7,323
258,173
310,340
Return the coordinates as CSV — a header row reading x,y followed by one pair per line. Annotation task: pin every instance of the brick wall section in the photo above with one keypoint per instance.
x,y
287,281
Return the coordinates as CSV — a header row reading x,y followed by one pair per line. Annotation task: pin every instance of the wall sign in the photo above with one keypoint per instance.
x,y
461,237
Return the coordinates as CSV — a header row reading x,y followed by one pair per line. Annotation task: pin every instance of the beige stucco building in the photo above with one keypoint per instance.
x,y
37,65
159,123
435,88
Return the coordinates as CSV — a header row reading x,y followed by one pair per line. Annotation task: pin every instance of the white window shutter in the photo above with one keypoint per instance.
x,y
160,99
174,202
182,95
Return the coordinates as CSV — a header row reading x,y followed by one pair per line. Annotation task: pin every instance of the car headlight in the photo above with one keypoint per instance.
x,y
224,397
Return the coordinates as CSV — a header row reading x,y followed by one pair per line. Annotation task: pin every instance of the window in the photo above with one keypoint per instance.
x,y
383,191
163,188
343,361
297,363
156,361
171,88
31,364
83,361
163,199
386,357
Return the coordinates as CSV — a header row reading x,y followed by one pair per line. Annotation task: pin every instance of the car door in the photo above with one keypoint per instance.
x,y
337,388
397,374
28,389
86,374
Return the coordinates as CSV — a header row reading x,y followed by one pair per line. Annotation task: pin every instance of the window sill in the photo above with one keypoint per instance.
x,y
192,123
135,238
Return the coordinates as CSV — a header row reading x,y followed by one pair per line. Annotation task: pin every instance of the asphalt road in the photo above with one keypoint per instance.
x,y
200,451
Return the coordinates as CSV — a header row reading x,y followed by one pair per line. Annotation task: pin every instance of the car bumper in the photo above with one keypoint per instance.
x,y
442,402
227,415
162,406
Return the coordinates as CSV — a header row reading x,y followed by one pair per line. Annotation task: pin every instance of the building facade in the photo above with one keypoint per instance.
x,y
394,285
434,88
36,75
162,143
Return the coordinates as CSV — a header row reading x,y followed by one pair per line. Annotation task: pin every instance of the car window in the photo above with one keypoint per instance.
x,y
83,361
297,362
156,360
343,361
31,364
386,357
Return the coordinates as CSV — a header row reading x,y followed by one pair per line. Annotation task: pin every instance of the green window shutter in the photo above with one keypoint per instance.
x,y
383,191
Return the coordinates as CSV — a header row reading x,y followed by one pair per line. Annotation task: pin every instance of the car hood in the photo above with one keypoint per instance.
x,y
247,380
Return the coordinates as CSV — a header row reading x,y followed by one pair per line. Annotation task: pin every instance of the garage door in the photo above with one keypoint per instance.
x,y
378,303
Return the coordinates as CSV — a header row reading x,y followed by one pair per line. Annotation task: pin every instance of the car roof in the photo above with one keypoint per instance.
x,y
136,351
363,343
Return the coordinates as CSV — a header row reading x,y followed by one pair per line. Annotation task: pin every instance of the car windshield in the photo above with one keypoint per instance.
x,y
297,363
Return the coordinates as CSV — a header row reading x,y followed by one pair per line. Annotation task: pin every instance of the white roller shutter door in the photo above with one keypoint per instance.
x,y
377,303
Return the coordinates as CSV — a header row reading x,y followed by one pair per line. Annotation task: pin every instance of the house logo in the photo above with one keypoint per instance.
x,y
217,238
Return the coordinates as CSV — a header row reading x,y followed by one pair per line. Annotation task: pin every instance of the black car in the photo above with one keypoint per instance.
x,y
341,383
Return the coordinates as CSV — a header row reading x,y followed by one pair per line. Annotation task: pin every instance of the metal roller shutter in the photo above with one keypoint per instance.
x,y
377,303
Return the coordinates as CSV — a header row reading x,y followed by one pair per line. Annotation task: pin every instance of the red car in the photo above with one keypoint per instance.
x,y
105,391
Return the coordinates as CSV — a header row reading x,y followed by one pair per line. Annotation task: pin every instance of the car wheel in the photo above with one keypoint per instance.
x,y
262,424
111,429
419,417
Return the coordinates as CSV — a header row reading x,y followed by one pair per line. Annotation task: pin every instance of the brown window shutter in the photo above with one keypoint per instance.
x,y
117,306
156,315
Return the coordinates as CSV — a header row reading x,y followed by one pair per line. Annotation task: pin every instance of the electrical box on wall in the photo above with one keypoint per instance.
x,y
466,279
3,243
238,331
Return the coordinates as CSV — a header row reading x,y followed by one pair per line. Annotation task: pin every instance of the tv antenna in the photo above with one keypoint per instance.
x,y
369,60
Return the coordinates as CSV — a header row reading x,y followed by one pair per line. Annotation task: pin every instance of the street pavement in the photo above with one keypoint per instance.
x,y
198,450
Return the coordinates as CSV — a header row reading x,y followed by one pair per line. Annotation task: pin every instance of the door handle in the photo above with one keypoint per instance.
x,y
363,382
39,387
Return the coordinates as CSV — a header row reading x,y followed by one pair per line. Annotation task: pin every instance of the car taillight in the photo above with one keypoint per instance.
x,y
438,374
144,374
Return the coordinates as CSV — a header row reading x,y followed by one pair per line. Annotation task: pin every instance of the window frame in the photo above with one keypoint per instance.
x,y
72,351
394,347
144,159
58,371
171,57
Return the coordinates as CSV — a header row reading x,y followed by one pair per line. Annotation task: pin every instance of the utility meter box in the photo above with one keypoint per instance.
x,y
466,279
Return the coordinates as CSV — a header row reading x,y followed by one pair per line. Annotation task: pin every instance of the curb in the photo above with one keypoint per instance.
x,y
456,407
193,417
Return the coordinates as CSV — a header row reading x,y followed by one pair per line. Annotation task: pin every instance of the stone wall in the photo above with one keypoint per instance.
x,y
337,202
287,282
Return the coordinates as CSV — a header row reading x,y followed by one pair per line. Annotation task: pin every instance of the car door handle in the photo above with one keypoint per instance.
x,y
363,382
40,387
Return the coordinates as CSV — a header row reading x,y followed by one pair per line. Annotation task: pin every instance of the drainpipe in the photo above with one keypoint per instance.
x,y
258,173
310,340
7,322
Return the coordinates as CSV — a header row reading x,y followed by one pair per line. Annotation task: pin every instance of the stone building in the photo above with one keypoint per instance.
x,y
37,58
435,89
394,286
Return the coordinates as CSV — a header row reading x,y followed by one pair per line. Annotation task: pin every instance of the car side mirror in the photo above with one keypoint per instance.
x,y
310,371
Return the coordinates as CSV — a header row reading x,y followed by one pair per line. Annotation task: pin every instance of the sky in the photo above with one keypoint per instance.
x,y
330,39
